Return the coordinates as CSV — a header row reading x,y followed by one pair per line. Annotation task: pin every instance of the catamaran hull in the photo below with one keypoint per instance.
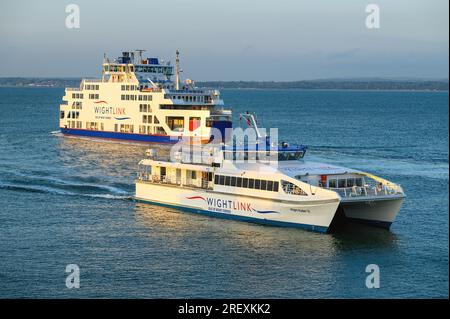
x,y
379,212
314,215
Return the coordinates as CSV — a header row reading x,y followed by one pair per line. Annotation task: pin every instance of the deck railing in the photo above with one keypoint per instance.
x,y
155,179
368,190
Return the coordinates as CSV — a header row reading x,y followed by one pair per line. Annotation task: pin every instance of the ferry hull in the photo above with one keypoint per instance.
x,y
145,138
379,212
313,216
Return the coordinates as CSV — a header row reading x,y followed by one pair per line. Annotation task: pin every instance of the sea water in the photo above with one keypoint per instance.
x,y
69,201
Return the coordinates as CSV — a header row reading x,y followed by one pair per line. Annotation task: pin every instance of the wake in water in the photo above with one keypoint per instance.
x,y
55,191
40,183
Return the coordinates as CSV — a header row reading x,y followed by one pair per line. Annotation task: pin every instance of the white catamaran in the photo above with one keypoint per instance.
x,y
244,183
250,192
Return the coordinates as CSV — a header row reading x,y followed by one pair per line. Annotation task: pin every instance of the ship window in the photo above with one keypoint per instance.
x,y
62,114
270,185
193,174
216,179
350,182
290,188
263,185
221,180
257,184
239,182
156,120
159,130
332,183
175,122
251,183
341,183
209,122
275,186
122,87
116,127
149,118
245,182
227,180
144,118
359,182
233,181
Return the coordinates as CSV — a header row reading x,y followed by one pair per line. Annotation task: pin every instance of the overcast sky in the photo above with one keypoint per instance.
x,y
278,40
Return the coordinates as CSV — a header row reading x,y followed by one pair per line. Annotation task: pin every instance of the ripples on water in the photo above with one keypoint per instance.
x,y
68,200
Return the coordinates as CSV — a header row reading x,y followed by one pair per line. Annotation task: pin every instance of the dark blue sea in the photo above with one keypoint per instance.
x,y
68,201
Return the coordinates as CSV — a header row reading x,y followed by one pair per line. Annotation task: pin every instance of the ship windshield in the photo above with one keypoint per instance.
x,y
290,156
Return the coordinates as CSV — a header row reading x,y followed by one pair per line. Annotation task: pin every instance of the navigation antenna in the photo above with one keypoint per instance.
x,y
250,119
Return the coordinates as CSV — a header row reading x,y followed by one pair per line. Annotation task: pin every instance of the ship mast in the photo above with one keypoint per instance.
x,y
177,74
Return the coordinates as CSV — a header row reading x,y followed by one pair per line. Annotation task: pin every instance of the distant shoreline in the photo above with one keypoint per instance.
x,y
333,84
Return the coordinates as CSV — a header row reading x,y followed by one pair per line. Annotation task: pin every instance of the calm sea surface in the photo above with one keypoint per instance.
x,y
68,201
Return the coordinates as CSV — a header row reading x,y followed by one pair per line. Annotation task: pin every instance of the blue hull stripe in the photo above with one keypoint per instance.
x,y
122,136
319,229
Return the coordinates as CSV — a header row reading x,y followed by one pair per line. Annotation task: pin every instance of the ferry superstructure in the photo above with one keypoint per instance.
x,y
136,99
250,192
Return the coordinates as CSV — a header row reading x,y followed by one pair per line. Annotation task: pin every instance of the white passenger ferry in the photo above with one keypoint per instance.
x,y
248,191
136,99
281,189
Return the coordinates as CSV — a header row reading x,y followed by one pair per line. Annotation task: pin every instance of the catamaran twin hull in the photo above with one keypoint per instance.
x,y
380,212
312,215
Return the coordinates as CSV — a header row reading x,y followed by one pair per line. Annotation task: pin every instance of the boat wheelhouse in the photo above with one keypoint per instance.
x,y
136,99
